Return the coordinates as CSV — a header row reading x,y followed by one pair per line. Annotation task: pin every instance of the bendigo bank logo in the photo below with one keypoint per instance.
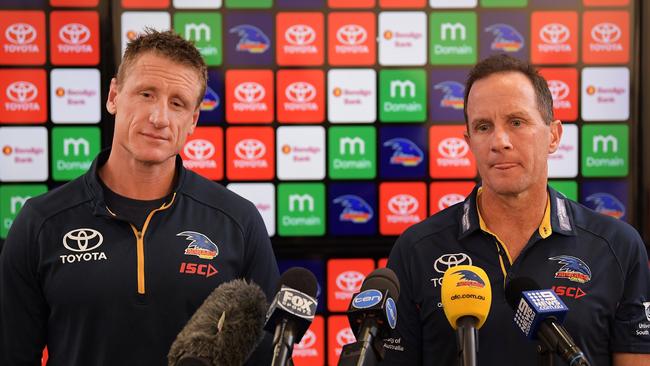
x,y
573,269
251,39
405,152
355,209
507,38
606,204
453,93
468,278
83,242
200,245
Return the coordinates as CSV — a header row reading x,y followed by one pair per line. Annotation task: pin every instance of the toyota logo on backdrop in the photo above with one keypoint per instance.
x,y
250,149
249,92
349,281
449,200
606,33
345,336
403,204
20,33
444,262
199,149
74,33
22,92
300,92
82,240
307,341
300,35
453,147
351,35
559,89
554,33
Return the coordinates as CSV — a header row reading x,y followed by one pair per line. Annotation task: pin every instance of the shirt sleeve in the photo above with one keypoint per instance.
x,y
23,309
631,325
261,268
404,347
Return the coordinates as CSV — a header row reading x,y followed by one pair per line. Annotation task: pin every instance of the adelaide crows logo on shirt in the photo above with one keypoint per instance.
x,y
573,269
200,245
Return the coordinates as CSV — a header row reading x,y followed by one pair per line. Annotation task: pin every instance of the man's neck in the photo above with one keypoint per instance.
x,y
137,180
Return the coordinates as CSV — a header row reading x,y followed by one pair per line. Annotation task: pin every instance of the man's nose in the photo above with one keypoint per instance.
x,y
159,115
501,139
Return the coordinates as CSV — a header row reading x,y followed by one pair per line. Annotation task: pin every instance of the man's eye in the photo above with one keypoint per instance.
x,y
517,122
482,127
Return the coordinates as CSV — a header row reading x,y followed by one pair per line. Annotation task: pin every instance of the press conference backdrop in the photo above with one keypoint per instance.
x,y
342,120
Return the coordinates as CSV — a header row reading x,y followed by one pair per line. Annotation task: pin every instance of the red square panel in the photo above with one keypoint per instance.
x,y
402,4
450,156
74,3
605,2
249,96
339,334
300,39
301,96
250,152
351,3
352,39
400,206
344,279
606,37
203,152
311,348
22,37
23,96
74,38
445,194
145,4
554,37
563,83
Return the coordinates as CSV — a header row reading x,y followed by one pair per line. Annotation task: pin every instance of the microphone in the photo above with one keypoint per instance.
x,y
466,299
539,315
224,330
371,313
291,312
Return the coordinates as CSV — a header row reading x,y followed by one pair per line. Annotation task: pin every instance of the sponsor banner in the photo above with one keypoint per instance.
x,y
453,3
75,96
145,4
73,151
248,38
204,30
605,2
22,37
563,84
563,163
301,96
12,199
402,95
351,3
447,93
569,188
402,38
352,39
262,195
301,209
134,23
450,156
605,94
402,153
301,152
213,103
311,348
300,39
606,37
249,96
24,156
554,37
555,4
608,197
352,152
506,33
23,96
453,38
447,194
402,4
74,3
203,152
244,4
351,95
197,4
605,150
250,153
344,279
352,208
339,334
74,38
400,206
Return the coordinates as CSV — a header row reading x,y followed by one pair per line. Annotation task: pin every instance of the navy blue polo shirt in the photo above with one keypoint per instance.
x,y
597,264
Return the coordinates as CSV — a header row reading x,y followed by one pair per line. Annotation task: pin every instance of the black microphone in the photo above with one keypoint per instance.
x,y
291,312
539,315
224,330
371,313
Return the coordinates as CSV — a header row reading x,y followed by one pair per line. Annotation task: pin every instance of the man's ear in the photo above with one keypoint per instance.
x,y
111,105
195,120
556,136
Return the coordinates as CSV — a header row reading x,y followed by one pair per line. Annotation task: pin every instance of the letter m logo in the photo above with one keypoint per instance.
x,y
604,143
403,87
453,31
196,32
76,145
350,145
17,202
301,200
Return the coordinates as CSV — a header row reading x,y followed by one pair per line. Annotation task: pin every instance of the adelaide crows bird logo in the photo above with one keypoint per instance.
x,y
405,152
252,39
200,245
573,269
469,278
507,39
355,209
454,93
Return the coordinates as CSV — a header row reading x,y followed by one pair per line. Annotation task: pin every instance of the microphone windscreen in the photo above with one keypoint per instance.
x,y
382,278
300,279
466,291
516,286
226,328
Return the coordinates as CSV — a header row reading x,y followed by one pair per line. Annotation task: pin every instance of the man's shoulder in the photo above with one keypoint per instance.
x,y
444,224
609,228
206,192
61,198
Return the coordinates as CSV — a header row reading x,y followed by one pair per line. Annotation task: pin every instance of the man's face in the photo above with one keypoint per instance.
x,y
155,108
507,134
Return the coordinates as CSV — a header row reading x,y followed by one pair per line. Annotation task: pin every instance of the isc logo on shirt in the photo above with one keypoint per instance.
x,y
22,37
74,37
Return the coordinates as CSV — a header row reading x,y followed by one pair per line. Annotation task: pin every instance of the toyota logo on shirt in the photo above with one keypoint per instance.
x,y
606,33
300,92
300,35
74,34
350,281
351,34
453,147
446,261
199,149
20,33
554,33
82,240
250,92
22,92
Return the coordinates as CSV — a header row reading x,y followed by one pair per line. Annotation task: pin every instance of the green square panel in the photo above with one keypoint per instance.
x,y
301,209
504,3
204,30
402,96
352,152
452,38
605,150
569,188
12,199
248,4
73,151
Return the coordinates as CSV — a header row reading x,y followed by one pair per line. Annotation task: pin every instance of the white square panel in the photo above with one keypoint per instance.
x,y
564,162
75,96
453,3
605,94
262,195
402,38
352,95
197,4
24,156
300,152
134,22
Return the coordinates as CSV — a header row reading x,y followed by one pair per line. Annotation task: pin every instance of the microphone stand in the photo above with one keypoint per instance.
x,y
467,340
